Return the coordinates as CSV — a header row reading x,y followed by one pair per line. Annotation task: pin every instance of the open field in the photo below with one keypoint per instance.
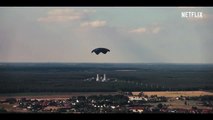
x,y
190,103
177,93
180,104
68,95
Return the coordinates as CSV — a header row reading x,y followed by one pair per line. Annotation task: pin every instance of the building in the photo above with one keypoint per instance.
x,y
131,98
136,109
97,78
100,78
104,79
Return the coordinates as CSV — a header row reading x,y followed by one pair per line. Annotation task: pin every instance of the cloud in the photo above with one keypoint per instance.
x,y
89,10
207,16
58,18
138,30
65,15
153,30
94,24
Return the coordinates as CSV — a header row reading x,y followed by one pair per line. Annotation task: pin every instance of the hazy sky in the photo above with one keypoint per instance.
x,y
68,34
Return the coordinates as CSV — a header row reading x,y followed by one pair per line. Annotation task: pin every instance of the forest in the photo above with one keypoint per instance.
x,y
69,77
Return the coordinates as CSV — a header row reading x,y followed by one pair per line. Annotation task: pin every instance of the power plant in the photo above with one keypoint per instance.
x,y
102,79
97,78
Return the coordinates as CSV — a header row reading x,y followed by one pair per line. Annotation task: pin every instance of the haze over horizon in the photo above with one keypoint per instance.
x,y
134,35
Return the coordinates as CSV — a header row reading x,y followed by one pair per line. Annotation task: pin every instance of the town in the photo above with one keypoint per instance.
x,y
123,102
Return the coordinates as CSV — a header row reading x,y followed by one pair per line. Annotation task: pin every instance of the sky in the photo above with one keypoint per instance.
x,y
133,34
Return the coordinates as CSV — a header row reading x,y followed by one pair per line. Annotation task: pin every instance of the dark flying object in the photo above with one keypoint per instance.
x,y
99,50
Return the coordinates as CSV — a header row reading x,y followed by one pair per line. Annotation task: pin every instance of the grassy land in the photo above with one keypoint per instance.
x,y
70,94
174,103
177,93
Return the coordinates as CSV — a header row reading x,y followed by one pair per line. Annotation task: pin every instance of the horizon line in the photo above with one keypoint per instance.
x,y
97,63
